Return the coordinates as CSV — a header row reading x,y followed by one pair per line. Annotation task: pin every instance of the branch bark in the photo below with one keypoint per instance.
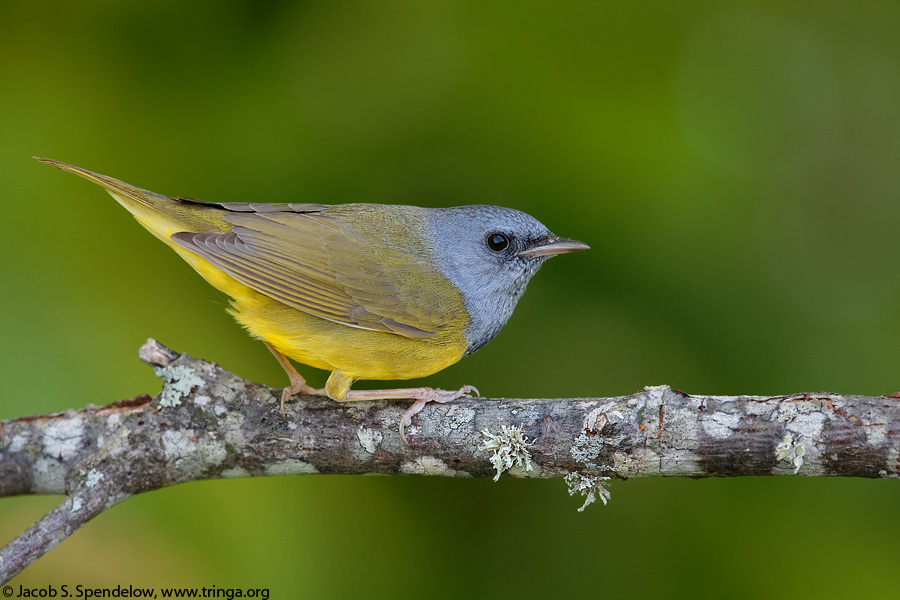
x,y
208,423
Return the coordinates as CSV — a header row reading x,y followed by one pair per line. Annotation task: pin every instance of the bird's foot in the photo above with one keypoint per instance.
x,y
298,387
426,395
298,384
422,396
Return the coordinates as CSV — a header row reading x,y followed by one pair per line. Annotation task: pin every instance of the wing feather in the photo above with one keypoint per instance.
x,y
318,264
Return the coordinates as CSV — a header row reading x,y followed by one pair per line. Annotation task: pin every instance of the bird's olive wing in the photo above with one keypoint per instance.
x,y
319,265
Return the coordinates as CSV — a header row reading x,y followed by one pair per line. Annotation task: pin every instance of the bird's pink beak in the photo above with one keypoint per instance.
x,y
553,246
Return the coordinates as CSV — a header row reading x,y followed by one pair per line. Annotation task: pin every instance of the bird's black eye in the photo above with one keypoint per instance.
x,y
498,242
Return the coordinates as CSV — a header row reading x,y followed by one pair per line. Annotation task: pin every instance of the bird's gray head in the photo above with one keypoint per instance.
x,y
490,253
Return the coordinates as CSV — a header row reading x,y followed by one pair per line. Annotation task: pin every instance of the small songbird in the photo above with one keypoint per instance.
x,y
366,291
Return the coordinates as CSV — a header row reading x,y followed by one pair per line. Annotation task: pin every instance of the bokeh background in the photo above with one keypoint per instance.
x,y
734,167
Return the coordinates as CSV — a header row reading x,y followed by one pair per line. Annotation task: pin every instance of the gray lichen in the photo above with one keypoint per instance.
x,y
93,478
590,442
791,451
369,439
590,486
291,467
178,382
428,465
510,448
63,438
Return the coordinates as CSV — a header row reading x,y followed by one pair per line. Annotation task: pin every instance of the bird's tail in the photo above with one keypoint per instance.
x,y
161,215
113,186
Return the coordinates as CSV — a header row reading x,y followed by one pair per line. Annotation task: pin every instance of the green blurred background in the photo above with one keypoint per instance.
x,y
734,167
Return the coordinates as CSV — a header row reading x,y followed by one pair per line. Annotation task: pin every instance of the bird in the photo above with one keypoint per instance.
x,y
365,291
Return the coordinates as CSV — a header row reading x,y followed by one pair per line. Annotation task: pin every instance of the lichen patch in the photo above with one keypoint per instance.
x,y
792,451
116,443
233,432
235,473
657,392
589,486
369,438
178,382
17,444
49,476
193,454
428,465
679,428
808,425
63,438
720,424
454,417
291,467
93,478
510,448
177,444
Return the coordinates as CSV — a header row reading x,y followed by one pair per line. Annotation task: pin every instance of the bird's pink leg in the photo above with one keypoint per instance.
x,y
298,383
422,396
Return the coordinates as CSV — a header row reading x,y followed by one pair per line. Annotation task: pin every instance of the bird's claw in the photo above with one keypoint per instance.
x,y
297,388
427,395
467,390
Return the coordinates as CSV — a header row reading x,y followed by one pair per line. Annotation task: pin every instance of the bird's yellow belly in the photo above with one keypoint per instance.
x,y
357,353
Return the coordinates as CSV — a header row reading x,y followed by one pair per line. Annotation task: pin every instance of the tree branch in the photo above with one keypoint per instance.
x,y
208,423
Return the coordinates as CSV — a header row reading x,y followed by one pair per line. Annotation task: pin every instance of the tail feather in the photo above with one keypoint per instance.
x,y
113,186
161,215
164,217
